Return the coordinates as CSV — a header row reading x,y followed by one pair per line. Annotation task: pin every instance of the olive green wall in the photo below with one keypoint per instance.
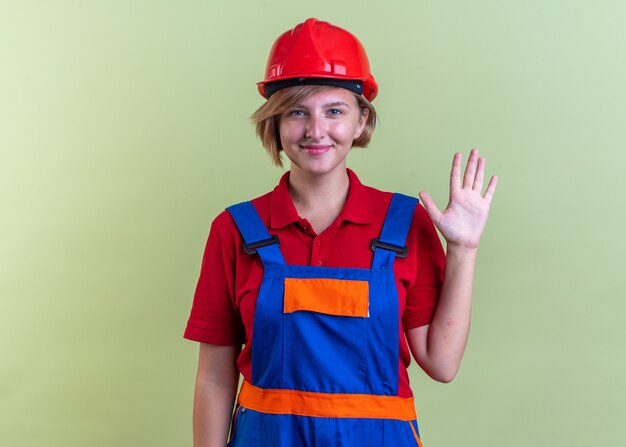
x,y
124,130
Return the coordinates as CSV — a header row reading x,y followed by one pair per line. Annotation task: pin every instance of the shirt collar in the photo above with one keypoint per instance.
x,y
357,208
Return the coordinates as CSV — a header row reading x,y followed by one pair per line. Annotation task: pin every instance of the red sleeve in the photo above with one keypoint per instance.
x,y
421,299
214,317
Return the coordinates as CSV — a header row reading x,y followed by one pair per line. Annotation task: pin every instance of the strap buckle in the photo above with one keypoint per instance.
x,y
252,248
401,252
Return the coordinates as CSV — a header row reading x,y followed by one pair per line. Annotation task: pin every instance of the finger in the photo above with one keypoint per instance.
x,y
455,173
431,207
480,175
491,188
470,169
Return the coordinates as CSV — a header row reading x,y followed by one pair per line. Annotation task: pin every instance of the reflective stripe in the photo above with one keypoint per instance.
x,y
343,297
305,403
417,438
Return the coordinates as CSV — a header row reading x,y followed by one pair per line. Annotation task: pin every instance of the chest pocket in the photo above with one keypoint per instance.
x,y
326,324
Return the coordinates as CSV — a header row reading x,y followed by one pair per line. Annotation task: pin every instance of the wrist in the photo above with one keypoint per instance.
x,y
461,250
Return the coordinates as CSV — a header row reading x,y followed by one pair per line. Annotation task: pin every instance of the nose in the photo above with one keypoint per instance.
x,y
315,129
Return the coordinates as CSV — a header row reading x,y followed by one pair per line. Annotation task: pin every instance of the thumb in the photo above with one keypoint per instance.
x,y
431,207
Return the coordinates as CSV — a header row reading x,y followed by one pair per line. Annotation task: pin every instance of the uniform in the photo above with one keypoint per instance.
x,y
325,359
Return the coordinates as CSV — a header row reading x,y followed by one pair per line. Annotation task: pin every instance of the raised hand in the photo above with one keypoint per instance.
x,y
464,219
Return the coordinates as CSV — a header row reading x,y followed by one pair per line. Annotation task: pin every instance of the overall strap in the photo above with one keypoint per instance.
x,y
392,240
256,237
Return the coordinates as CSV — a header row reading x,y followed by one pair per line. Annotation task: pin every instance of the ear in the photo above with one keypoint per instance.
x,y
364,113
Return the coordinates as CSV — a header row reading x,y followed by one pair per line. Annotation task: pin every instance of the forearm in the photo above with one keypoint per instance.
x,y
439,347
216,387
449,329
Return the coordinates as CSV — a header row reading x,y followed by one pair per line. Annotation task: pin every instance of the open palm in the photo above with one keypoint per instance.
x,y
464,219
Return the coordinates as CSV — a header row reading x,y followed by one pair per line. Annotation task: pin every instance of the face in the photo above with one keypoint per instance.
x,y
317,134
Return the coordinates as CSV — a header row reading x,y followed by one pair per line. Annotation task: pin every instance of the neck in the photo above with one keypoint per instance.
x,y
319,199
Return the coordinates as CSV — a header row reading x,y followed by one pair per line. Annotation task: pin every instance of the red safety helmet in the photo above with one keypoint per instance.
x,y
316,52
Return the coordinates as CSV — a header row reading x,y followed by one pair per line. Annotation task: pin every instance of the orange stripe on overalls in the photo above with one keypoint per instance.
x,y
328,405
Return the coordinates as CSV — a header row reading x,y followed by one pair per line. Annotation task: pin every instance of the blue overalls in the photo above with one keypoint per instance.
x,y
325,347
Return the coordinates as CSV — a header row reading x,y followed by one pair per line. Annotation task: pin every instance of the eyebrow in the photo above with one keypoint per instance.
x,y
332,104
338,103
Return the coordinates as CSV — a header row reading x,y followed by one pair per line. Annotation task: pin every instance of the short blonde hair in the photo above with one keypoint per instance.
x,y
267,117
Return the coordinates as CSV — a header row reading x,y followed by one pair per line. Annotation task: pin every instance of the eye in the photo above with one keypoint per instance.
x,y
296,112
335,112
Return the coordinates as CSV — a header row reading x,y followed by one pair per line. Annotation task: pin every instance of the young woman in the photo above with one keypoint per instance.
x,y
327,283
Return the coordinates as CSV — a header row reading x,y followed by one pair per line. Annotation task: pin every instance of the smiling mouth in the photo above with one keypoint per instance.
x,y
316,150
